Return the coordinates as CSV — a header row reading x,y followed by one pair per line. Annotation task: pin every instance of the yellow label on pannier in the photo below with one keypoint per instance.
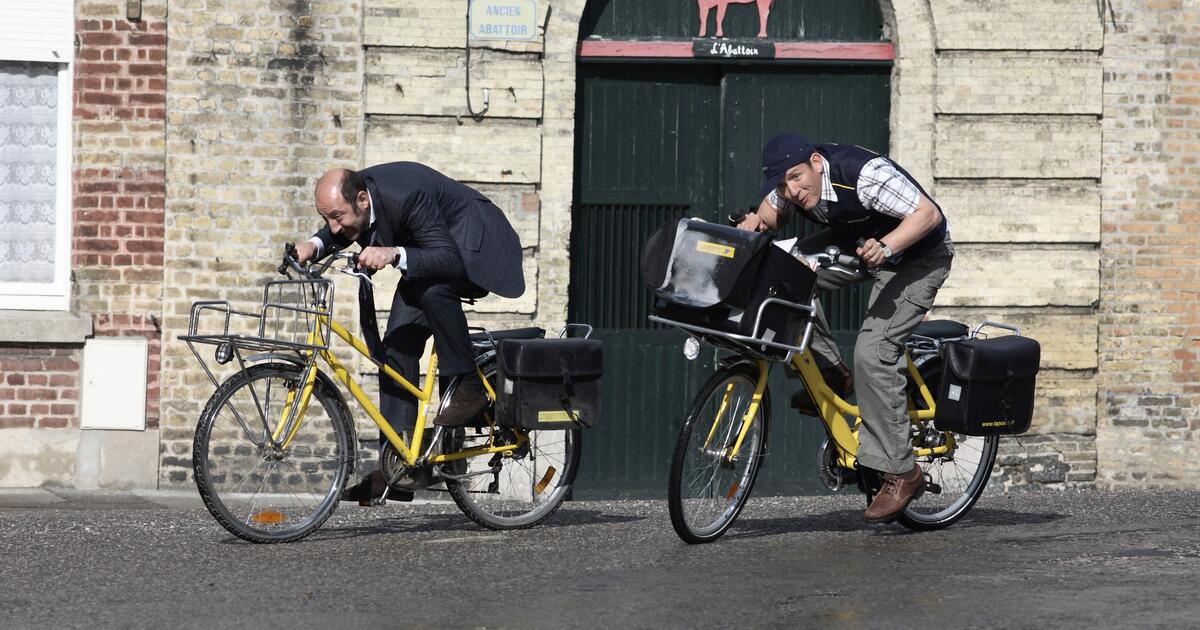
x,y
556,416
713,248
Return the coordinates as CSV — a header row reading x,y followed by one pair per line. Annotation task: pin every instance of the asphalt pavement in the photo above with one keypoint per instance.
x,y
1028,559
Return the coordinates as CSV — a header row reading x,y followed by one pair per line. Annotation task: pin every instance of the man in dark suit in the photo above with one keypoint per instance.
x,y
450,242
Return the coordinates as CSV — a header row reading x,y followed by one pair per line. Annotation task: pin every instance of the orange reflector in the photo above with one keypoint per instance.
x,y
541,485
267,517
732,490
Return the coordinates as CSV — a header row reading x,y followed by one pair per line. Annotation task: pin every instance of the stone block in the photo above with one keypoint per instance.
x,y
1050,147
1022,210
1017,25
121,460
432,82
497,152
435,24
1015,276
1019,82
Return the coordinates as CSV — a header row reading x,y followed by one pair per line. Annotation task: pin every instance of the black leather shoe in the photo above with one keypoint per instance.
x,y
469,401
370,489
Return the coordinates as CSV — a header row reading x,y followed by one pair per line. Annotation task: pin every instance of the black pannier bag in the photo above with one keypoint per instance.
x,y
718,276
549,383
987,385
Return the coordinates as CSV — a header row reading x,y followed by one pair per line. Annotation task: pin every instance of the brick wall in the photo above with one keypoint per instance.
x,y
39,387
118,176
1150,278
262,97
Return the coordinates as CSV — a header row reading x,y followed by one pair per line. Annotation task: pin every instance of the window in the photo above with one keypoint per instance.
x,y
36,49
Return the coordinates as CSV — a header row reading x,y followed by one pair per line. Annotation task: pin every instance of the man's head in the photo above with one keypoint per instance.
x,y
342,200
792,166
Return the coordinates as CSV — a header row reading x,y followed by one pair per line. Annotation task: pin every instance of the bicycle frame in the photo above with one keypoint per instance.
x,y
411,451
834,411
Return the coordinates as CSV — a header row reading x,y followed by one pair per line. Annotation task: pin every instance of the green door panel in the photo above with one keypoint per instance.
x,y
655,142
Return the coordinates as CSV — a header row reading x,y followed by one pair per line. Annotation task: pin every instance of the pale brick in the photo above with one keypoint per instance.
x,y
1022,211
1017,146
435,24
1015,82
1018,25
990,276
431,82
506,152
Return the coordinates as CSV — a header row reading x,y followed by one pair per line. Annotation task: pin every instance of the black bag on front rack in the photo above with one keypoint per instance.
x,y
718,277
988,385
549,383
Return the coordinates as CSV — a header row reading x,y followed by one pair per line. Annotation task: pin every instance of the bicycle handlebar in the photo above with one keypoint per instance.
x,y
833,259
314,271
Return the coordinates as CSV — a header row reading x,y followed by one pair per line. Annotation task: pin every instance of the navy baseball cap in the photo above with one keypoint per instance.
x,y
780,153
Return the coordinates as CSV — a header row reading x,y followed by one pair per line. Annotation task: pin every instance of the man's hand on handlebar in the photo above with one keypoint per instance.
x,y
305,251
375,257
871,254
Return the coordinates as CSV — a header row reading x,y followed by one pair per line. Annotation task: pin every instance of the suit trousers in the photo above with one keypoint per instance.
x,y
421,308
901,295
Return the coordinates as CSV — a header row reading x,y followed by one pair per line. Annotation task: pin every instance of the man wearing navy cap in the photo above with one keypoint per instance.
x,y
872,206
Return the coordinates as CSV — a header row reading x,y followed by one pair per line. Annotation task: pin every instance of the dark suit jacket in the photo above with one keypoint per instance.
x,y
448,230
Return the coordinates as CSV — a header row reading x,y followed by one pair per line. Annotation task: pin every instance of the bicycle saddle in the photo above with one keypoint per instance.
x,y
941,329
516,333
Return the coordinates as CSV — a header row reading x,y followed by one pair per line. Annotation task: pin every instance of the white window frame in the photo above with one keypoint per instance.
x,y
47,38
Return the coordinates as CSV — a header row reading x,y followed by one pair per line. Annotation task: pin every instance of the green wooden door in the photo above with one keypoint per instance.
x,y
661,141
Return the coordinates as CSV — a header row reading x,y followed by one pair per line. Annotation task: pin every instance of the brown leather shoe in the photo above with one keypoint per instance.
x,y
895,495
837,377
469,401
371,488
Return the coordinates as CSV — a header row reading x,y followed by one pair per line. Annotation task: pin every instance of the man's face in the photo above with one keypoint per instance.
x,y
801,184
348,220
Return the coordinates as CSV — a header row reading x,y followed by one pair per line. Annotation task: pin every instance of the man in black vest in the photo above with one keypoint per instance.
x,y
450,242
873,207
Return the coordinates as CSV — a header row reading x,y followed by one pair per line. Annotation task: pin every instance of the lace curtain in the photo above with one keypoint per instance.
x,y
28,164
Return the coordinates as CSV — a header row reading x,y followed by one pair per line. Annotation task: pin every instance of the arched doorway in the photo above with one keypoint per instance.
x,y
668,125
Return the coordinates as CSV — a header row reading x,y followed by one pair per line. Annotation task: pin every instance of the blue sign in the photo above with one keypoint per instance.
x,y
503,19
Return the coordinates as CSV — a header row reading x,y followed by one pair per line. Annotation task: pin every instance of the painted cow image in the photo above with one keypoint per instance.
x,y
764,8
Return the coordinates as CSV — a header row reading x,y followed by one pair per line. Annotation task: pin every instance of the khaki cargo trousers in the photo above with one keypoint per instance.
x,y
901,295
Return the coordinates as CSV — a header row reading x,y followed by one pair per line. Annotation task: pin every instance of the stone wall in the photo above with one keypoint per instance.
x,y
1149,409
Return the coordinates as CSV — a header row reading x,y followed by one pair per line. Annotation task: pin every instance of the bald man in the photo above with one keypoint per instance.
x,y
450,242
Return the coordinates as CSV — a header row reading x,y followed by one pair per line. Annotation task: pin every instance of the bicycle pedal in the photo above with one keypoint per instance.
x,y
933,488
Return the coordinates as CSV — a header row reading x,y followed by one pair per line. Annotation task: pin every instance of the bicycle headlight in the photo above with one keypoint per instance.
x,y
224,353
691,349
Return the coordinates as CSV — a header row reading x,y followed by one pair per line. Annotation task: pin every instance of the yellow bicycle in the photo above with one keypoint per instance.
x,y
723,440
275,445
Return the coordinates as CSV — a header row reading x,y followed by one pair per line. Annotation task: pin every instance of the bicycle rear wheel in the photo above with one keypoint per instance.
x,y
516,491
958,477
706,492
263,493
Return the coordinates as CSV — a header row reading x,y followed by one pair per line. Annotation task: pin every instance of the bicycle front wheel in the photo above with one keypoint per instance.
x,y
261,491
516,490
707,490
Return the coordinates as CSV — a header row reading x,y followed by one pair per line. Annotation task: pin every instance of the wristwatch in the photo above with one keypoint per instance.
x,y
887,251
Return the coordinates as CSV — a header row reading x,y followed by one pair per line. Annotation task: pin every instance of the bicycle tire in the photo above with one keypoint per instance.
x,y
528,488
688,513
253,491
961,475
